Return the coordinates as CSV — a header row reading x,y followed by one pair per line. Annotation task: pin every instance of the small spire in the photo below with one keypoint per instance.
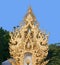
x,y
29,18
30,10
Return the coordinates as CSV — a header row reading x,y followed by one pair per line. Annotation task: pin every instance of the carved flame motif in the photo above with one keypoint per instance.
x,y
29,39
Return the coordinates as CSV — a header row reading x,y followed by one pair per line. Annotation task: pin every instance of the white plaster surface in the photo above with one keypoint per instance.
x,y
28,56
6,63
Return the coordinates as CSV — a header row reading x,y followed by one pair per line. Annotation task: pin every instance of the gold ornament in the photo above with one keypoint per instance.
x,y
29,43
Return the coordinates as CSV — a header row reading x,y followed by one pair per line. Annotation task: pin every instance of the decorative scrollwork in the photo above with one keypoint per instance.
x,y
29,38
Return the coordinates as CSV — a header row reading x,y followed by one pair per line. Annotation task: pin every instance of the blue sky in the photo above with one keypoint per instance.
x,y
47,13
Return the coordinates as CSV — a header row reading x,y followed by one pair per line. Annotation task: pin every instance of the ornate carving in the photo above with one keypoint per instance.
x,y
29,38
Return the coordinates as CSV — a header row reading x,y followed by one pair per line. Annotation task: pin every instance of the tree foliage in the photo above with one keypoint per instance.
x,y
4,39
54,54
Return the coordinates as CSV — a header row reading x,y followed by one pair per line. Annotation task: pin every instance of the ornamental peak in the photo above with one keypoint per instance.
x,y
29,17
30,10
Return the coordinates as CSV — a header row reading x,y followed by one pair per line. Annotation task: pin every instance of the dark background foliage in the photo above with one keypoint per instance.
x,y
53,56
4,39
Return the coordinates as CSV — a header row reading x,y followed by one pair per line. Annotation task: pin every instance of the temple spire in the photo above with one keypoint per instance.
x,y
29,17
30,10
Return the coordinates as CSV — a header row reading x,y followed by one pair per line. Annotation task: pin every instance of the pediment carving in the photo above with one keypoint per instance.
x,y
29,38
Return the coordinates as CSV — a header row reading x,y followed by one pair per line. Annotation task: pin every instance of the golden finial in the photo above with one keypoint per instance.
x,y
29,18
30,10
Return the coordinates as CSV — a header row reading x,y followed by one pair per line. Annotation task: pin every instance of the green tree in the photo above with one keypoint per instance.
x,y
54,54
4,39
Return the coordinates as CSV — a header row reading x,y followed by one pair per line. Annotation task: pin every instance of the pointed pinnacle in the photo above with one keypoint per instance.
x,y
30,10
